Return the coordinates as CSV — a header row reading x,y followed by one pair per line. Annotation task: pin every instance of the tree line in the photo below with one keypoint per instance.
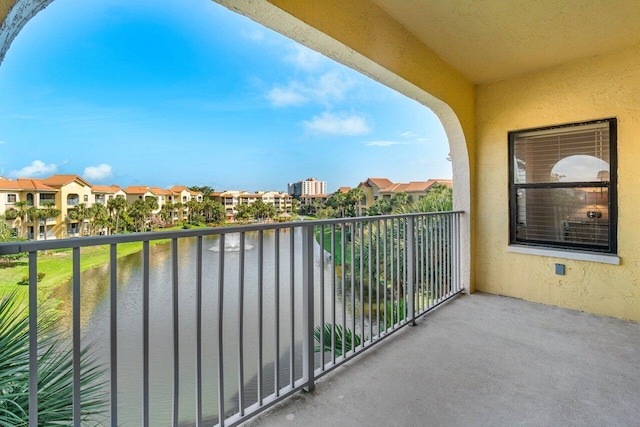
x,y
439,198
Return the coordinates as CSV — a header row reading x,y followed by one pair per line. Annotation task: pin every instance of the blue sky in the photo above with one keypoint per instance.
x,y
171,92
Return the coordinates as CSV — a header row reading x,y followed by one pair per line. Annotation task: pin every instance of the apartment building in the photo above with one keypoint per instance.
x,y
307,187
103,193
18,195
65,192
230,199
375,188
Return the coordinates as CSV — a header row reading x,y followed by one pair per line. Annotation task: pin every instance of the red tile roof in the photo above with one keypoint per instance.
x,y
137,189
25,184
105,189
379,182
60,180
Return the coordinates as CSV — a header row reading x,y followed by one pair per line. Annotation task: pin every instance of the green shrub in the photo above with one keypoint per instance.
x,y
25,279
55,372
347,338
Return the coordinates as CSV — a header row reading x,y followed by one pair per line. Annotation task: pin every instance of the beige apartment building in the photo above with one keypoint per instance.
x,y
230,199
376,188
65,192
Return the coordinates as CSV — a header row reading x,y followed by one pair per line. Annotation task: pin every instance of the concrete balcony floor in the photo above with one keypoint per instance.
x,y
483,360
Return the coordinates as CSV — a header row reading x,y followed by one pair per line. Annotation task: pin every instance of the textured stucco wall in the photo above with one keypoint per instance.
x,y
598,87
4,8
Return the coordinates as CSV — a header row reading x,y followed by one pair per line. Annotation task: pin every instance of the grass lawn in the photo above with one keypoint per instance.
x,y
57,266
338,245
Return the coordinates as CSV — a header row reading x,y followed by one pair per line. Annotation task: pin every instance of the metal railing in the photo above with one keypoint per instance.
x,y
261,311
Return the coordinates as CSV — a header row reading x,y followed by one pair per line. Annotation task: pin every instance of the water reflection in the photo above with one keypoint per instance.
x,y
277,293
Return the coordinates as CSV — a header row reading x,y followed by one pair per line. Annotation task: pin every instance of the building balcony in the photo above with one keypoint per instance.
x,y
271,285
484,360
235,320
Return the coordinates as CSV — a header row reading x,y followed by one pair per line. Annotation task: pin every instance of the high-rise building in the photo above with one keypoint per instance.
x,y
307,187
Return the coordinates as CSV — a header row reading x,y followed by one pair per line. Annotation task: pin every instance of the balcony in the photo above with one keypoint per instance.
x,y
484,360
230,320
235,320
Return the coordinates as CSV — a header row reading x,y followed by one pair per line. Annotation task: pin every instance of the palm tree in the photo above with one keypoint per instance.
x,y
338,201
80,213
34,215
22,207
193,207
98,217
355,196
47,213
140,212
55,371
400,202
439,198
117,206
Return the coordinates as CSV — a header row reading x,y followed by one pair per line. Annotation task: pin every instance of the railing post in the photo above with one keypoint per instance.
x,y
33,339
410,266
307,308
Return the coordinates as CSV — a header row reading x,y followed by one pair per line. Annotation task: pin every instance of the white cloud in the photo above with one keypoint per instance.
x,y
3,142
408,134
286,96
326,89
97,173
303,57
381,143
36,168
254,34
331,87
331,124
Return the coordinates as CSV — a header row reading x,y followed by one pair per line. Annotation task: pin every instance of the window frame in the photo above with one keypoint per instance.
x,y
612,247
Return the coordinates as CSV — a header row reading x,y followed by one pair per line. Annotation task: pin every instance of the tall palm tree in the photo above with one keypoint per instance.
x,y
354,200
48,212
22,207
117,206
34,215
98,217
81,213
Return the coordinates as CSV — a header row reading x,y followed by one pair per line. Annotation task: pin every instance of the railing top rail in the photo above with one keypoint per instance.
x,y
78,242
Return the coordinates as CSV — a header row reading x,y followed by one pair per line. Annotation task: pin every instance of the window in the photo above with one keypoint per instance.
x,y
72,228
86,198
47,198
11,198
73,200
562,186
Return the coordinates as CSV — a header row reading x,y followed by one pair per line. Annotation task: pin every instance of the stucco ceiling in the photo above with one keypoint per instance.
x,y
489,40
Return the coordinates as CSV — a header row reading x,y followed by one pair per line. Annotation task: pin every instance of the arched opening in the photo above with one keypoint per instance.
x,y
275,18
444,112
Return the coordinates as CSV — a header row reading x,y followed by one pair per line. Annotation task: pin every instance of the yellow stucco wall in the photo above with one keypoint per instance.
x,y
599,87
5,5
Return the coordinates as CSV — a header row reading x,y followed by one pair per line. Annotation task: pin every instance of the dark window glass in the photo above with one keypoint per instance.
x,y
562,189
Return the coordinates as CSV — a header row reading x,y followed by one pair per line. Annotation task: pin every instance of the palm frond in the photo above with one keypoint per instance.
x,y
344,342
55,371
